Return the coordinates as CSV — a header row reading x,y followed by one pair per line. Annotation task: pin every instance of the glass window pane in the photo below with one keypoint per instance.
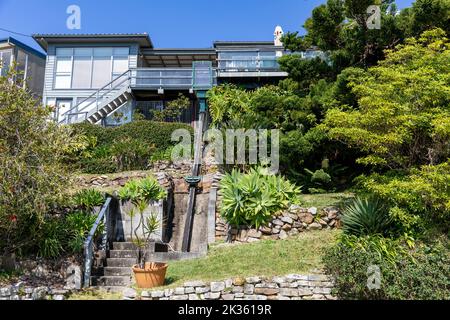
x,y
103,52
62,82
120,65
64,51
124,51
5,62
83,52
64,64
101,72
82,72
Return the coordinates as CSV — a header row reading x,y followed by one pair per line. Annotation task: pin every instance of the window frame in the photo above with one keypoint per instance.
x,y
113,57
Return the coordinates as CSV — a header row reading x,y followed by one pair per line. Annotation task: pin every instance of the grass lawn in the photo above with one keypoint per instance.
x,y
324,200
300,254
95,295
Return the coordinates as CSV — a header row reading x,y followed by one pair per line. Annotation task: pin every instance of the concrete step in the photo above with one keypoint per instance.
x,y
117,271
120,262
112,281
174,256
154,246
124,246
123,253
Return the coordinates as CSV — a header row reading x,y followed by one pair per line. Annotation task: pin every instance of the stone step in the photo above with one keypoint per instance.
x,y
154,246
123,254
112,289
124,246
117,271
112,281
174,256
120,262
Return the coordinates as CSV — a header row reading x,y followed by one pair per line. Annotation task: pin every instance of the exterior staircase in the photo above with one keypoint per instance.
x,y
117,272
107,107
102,103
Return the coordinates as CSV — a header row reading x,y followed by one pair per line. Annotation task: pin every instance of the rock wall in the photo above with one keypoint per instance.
x,y
290,287
286,224
21,292
116,181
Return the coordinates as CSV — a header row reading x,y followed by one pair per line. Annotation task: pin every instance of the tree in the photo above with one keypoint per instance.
x,y
33,178
403,114
173,110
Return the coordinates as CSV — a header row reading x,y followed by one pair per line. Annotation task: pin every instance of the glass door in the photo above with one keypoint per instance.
x,y
62,107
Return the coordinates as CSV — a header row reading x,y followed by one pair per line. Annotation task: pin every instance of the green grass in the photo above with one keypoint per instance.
x,y
300,254
324,200
92,294
6,277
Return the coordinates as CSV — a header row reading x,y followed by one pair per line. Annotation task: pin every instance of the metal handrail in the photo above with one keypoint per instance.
x,y
134,78
97,94
105,217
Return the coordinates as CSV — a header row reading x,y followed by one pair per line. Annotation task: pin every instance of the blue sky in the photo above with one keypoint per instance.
x,y
170,23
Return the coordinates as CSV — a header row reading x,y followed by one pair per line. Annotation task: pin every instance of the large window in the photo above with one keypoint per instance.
x,y
5,61
248,60
89,68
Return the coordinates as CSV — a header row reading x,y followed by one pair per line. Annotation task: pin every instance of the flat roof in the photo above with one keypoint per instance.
x,y
142,38
178,57
243,44
23,46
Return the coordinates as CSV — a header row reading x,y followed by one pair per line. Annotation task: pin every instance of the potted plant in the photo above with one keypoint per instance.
x,y
143,194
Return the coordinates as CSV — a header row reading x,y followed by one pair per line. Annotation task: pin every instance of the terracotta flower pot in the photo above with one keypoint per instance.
x,y
153,275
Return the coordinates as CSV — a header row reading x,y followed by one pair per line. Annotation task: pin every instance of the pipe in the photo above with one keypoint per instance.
x,y
195,179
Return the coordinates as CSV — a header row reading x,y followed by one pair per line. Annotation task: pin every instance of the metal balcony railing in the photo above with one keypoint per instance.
x,y
200,77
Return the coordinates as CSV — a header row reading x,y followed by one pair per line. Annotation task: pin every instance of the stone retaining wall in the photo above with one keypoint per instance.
x,y
286,224
22,292
290,287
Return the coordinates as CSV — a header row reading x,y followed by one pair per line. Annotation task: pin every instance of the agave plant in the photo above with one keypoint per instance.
x,y
253,198
366,216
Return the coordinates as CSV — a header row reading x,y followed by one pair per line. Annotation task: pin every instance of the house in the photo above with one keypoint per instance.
x,y
30,64
103,78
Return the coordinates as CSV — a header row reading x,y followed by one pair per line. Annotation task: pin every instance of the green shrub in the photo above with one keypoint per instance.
x,y
366,216
421,273
88,199
78,224
127,147
34,177
253,199
147,190
421,195
51,238
129,154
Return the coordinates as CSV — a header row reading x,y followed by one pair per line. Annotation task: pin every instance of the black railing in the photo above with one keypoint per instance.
x,y
104,217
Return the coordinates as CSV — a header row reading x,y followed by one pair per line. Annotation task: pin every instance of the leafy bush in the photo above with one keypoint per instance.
x,y
421,195
366,216
420,273
253,199
130,154
78,225
147,190
88,199
33,176
126,147
51,238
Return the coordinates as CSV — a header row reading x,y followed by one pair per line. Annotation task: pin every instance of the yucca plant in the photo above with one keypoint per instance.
x,y
141,193
366,216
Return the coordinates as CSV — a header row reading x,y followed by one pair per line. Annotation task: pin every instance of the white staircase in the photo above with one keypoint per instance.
x,y
101,104
109,105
